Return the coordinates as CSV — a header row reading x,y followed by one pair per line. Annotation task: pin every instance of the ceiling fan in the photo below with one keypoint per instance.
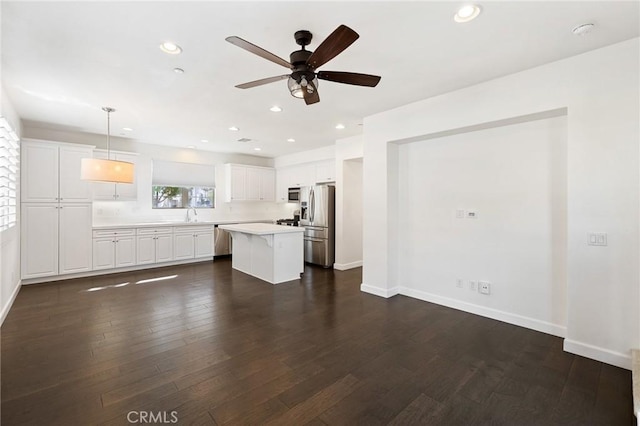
x,y
303,80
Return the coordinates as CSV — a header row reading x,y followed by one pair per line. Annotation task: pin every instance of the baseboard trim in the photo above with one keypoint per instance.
x,y
508,317
599,354
97,272
345,266
379,291
12,298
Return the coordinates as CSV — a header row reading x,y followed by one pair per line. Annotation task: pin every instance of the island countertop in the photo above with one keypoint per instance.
x,y
261,228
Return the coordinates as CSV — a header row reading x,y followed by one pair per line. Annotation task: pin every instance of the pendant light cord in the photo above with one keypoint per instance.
x,y
108,110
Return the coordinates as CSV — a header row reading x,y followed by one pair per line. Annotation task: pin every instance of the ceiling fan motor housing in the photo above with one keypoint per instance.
x,y
299,65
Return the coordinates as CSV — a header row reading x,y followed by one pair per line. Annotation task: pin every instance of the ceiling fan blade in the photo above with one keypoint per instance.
x,y
256,50
311,98
332,46
350,78
261,82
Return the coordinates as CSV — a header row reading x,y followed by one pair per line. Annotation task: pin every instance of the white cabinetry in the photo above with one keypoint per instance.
x,y
105,191
56,239
56,210
154,245
50,172
325,171
114,248
249,183
192,241
303,175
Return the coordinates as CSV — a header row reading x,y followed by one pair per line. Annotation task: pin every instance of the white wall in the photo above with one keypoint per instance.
x,y
514,178
600,90
313,155
348,154
105,212
10,238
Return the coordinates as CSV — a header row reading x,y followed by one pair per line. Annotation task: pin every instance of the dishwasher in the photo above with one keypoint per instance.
x,y
221,241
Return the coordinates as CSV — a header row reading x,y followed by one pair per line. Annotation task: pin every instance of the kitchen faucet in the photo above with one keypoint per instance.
x,y
195,214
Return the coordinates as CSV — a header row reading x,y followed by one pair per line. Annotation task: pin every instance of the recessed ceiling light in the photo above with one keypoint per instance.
x,y
178,70
257,149
127,129
170,48
583,29
234,128
291,140
467,13
204,140
339,126
191,146
275,108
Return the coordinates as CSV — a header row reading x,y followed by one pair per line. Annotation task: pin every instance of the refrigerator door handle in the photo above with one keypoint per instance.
x,y
313,205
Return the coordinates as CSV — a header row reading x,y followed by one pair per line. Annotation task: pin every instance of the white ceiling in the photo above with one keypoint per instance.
x,y
62,61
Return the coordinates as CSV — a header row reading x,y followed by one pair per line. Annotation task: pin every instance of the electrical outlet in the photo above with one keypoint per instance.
x,y
472,214
459,283
484,287
473,285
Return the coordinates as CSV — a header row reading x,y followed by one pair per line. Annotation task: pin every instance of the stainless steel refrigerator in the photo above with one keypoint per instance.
x,y
317,215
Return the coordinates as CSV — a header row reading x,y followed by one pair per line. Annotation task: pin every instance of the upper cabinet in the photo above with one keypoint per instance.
x,y
50,172
325,171
306,174
105,191
249,183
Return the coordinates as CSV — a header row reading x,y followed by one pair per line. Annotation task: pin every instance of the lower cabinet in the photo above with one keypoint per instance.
x,y
114,248
55,239
192,241
154,245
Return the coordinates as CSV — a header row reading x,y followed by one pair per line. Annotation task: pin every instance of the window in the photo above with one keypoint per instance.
x,y
182,197
9,154
182,185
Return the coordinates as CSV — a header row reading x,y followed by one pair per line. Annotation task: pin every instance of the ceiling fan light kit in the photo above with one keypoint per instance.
x,y
303,80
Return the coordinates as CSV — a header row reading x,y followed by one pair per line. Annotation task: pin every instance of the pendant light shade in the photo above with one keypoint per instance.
x,y
101,170
106,170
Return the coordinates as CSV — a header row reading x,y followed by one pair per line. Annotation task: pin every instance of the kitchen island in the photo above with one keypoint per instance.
x,y
273,253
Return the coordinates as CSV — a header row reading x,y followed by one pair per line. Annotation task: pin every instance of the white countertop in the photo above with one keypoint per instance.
x,y
173,223
262,228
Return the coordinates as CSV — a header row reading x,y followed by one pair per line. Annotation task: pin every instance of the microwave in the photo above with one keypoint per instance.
x,y
294,195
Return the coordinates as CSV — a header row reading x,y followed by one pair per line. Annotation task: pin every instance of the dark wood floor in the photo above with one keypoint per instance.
x,y
216,346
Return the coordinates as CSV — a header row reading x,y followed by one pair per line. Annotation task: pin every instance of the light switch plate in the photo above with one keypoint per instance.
x,y
459,213
597,239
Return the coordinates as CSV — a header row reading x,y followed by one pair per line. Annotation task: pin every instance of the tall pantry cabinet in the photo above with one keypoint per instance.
x,y
56,212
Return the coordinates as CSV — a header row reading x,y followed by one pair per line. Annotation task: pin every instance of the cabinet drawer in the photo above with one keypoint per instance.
x,y
154,231
192,229
111,232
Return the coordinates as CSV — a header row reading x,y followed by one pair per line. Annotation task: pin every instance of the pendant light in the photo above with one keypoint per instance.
x,y
108,170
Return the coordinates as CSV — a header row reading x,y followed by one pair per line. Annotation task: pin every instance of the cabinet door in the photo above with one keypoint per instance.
x,y
237,179
39,172
164,248
283,176
145,249
39,240
267,185
325,171
125,251
203,244
104,251
71,187
252,183
103,190
183,246
127,191
301,176
75,238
